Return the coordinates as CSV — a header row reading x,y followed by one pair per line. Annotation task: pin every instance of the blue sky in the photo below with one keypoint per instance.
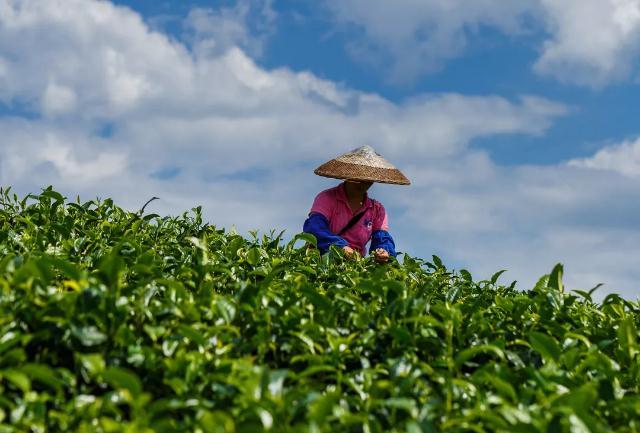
x,y
516,121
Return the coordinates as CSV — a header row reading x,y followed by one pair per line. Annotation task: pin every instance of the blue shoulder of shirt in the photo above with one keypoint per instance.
x,y
318,225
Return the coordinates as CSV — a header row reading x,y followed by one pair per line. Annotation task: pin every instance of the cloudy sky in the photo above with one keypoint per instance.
x,y
516,121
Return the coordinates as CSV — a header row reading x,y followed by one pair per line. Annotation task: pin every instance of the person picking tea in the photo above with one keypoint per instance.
x,y
345,215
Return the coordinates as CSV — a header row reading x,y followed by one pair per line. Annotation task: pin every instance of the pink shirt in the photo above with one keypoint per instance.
x,y
334,205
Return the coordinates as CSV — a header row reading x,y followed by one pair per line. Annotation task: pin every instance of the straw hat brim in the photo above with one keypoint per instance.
x,y
358,172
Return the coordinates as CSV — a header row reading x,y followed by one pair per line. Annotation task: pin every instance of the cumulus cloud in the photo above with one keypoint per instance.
x,y
413,37
35,153
586,42
623,158
526,219
592,41
116,109
85,59
248,24
58,99
107,66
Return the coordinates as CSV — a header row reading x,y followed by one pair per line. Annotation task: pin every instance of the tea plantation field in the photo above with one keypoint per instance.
x,y
117,321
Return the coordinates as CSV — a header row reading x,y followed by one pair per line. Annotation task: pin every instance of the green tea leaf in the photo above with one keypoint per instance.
x,y
111,268
216,422
627,336
253,256
93,363
494,277
120,378
308,238
43,374
555,278
467,354
546,346
88,335
226,309
17,378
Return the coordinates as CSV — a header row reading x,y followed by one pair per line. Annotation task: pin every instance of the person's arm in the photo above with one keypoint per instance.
x,y
318,226
382,239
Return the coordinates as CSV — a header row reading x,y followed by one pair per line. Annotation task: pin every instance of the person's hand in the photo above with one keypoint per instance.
x,y
381,255
349,252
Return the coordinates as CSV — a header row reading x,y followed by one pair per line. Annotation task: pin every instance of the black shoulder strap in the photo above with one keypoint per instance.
x,y
352,222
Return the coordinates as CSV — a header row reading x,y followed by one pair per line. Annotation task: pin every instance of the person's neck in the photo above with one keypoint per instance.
x,y
354,193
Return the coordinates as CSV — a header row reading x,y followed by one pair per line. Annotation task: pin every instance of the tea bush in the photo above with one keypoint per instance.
x,y
116,321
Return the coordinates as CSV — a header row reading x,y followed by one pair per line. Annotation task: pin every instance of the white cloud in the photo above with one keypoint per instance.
x,y
248,24
105,55
37,152
413,37
58,99
242,141
623,158
524,219
592,42
587,42
104,165
168,106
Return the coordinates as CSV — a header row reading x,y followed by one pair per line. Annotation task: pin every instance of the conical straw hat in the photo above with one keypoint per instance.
x,y
363,164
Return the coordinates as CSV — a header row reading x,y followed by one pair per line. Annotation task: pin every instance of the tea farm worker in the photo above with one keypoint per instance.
x,y
344,215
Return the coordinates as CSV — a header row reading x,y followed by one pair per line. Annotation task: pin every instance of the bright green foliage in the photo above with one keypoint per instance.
x,y
115,322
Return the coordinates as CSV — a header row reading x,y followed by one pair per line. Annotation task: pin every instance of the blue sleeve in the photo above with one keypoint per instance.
x,y
382,239
318,226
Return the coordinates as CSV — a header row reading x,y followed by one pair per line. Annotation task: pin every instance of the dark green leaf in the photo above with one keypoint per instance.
x,y
555,278
120,378
494,277
545,345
